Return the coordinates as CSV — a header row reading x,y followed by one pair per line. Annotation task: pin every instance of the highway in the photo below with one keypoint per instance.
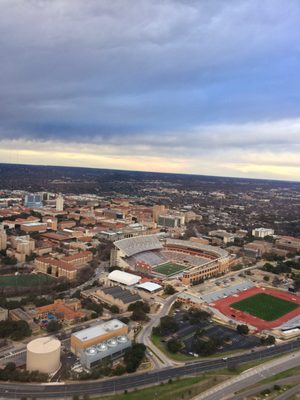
x,y
229,388
258,389
119,384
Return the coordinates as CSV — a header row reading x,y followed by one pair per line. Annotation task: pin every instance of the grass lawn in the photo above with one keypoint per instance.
x,y
177,390
169,268
24,280
284,374
265,306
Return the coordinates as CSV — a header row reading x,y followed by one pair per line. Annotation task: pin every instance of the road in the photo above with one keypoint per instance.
x,y
258,389
229,388
289,393
145,335
110,386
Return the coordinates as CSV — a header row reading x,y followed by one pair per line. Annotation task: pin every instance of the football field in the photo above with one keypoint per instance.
x,y
265,306
169,268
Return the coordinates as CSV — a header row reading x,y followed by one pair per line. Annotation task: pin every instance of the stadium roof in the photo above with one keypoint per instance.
x,y
124,277
99,330
149,286
135,245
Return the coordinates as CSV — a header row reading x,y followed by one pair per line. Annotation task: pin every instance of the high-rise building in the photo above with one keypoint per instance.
x,y
59,203
158,210
3,239
33,200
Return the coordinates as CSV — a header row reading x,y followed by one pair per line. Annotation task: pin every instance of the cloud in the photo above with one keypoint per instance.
x,y
176,80
269,150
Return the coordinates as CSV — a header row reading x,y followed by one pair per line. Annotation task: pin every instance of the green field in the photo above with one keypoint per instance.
x,y
169,268
265,306
24,280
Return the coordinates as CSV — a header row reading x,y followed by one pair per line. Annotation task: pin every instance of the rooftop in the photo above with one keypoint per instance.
x,y
122,294
124,277
99,330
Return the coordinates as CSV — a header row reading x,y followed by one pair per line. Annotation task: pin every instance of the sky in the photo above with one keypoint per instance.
x,y
191,86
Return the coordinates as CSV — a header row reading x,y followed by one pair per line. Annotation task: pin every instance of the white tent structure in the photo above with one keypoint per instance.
x,y
149,286
124,278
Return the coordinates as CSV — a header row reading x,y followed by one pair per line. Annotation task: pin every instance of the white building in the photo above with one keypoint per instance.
x,y
3,238
262,232
124,278
59,203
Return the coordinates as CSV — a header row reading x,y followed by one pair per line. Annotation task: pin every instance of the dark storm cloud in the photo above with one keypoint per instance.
x,y
110,72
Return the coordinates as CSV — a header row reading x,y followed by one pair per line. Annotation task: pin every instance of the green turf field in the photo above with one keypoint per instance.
x,y
169,268
24,280
265,306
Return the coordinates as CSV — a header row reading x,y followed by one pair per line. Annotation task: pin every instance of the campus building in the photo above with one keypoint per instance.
x,y
105,341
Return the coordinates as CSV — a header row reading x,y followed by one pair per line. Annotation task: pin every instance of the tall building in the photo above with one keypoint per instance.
x,y
170,221
59,203
158,210
33,200
3,239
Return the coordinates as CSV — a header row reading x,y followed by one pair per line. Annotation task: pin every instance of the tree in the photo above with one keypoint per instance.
x,y
138,315
168,325
139,305
174,345
134,356
169,289
16,330
53,326
114,309
267,340
242,329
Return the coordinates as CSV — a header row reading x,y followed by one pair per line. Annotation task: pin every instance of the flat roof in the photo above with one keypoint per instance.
x,y
124,277
99,330
122,294
149,286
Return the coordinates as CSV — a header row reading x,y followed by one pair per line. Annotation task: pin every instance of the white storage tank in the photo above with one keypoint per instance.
x,y
43,354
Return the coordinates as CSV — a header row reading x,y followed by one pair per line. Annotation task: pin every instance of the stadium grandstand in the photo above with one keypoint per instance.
x,y
190,261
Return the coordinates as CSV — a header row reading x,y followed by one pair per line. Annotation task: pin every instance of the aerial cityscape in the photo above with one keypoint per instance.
x,y
149,200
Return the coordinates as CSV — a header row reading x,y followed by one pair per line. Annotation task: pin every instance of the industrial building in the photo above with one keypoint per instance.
x,y
105,341
43,354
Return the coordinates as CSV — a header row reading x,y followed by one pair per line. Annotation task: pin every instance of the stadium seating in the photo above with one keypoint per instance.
x,y
136,245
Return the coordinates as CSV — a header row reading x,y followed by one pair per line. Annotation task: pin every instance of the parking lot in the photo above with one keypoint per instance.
x,y
234,341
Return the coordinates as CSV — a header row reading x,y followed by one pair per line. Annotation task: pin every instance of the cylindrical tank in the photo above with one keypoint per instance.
x,y
43,354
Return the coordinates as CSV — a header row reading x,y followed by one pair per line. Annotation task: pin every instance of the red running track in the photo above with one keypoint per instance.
x,y
224,306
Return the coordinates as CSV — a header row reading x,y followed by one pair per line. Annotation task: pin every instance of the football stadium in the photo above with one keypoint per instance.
x,y
262,308
161,258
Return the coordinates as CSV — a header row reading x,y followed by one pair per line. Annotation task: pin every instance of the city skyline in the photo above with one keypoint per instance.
x,y
178,86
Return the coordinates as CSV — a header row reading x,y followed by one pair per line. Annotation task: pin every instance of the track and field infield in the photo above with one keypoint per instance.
x,y
270,311
265,306
169,268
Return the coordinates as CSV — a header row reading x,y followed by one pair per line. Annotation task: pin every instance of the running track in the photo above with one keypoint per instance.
x,y
224,306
